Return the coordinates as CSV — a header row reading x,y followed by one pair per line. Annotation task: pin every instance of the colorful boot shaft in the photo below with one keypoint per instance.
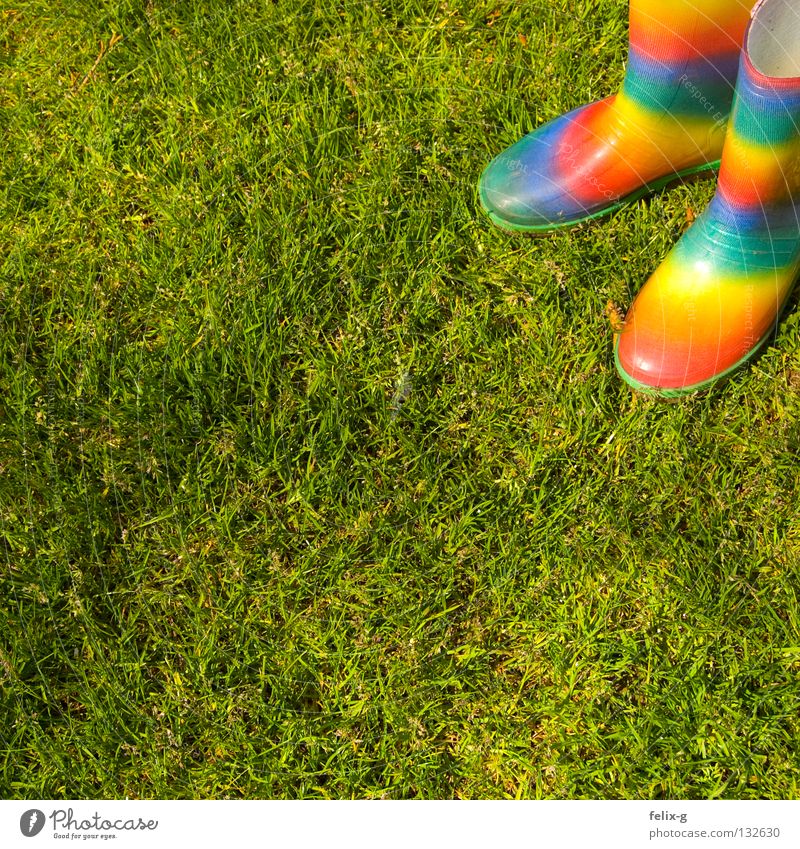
x,y
667,121
718,295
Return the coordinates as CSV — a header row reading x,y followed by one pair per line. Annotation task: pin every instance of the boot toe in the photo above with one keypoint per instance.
x,y
527,185
698,317
654,362
524,193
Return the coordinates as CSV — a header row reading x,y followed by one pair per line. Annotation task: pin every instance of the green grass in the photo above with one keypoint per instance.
x,y
316,485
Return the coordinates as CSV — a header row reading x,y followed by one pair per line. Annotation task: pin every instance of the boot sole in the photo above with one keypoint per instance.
x,y
646,189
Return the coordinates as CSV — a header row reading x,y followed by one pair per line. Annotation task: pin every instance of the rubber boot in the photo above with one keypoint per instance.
x,y
668,121
718,295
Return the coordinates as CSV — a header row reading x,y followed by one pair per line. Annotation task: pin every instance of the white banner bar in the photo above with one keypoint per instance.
x,y
410,824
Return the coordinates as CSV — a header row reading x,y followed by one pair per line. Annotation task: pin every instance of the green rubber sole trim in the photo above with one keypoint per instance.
x,y
683,391
646,189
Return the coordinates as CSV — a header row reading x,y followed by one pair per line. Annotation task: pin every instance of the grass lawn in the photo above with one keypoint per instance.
x,y
316,485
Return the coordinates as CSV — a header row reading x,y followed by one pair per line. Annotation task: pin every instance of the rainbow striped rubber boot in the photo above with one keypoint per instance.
x,y
668,121
718,295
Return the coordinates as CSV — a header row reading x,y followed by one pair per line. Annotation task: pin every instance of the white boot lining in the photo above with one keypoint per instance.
x,y
774,40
